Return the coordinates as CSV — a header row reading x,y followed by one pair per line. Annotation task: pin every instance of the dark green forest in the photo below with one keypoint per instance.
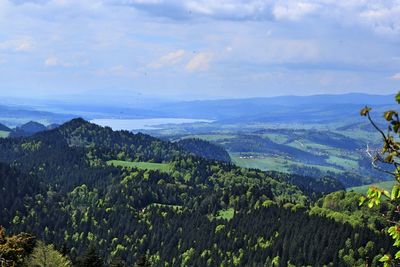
x,y
202,210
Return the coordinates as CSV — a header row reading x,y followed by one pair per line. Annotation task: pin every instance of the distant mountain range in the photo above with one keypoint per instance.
x,y
26,129
303,109
15,115
300,109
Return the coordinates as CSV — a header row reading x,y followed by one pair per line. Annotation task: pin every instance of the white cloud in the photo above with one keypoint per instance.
x,y
199,62
227,8
169,59
380,15
293,10
52,61
383,19
396,77
56,62
127,37
23,44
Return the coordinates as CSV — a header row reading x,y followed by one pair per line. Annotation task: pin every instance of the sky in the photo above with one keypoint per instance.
x,y
198,49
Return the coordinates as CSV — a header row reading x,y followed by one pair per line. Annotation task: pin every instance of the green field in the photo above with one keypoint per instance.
x,y
279,146
277,138
165,167
364,188
211,137
265,164
346,163
274,163
4,134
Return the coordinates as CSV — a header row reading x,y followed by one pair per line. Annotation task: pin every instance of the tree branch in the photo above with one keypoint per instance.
x,y
376,127
376,158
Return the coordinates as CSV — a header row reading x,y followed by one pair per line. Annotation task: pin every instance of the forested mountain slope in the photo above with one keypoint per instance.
x,y
196,212
204,149
28,129
4,128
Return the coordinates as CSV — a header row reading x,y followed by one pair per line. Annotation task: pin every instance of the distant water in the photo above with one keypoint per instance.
x,y
142,124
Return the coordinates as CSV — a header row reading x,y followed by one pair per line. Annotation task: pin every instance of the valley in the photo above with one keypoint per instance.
x,y
309,150
150,194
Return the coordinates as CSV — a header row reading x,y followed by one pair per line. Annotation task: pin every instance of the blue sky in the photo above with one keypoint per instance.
x,y
197,49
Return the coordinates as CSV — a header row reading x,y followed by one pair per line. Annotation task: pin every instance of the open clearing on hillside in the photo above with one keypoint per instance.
x,y
364,188
265,164
165,167
274,163
4,134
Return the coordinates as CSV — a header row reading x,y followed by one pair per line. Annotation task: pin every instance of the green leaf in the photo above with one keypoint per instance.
x,y
396,127
365,111
398,97
395,191
392,230
397,256
386,193
389,158
362,200
389,114
385,258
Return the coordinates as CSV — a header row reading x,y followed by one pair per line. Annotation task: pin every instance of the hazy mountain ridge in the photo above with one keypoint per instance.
x,y
4,128
316,108
204,149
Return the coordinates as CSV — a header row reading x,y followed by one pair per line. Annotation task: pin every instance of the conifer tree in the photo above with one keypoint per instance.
x,y
143,262
90,258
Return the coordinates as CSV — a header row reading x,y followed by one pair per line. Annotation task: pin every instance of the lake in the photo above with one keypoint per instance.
x,y
143,124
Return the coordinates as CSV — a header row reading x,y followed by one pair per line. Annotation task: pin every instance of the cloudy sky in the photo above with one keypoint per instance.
x,y
198,48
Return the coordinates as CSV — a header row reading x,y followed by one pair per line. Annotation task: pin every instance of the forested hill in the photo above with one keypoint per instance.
x,y
204,149
136,196
122,144
137,147
4,128
28,129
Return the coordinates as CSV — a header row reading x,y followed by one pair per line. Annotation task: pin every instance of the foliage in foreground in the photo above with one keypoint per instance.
x,y
387,161
46,256
13,249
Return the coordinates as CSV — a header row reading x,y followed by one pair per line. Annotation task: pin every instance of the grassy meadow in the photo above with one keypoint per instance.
x,y
4,134
364,188
165,167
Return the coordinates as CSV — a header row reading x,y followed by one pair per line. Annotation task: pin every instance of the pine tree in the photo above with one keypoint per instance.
x,y
143,262
90,258
117,262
